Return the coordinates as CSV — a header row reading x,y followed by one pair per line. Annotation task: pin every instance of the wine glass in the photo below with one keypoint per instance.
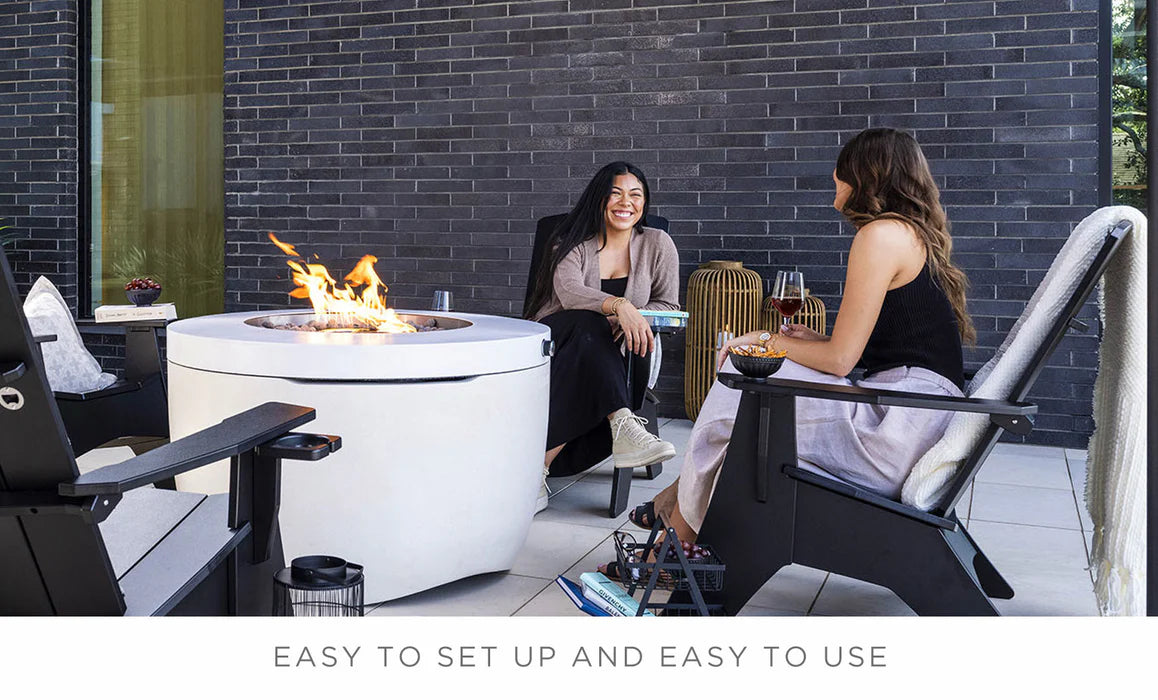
x,y
788,294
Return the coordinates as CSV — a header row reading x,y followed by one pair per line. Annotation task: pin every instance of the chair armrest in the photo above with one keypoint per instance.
x,y
233,436
880,397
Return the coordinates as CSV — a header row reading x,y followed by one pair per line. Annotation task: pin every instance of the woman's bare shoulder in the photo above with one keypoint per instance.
x,y
890,234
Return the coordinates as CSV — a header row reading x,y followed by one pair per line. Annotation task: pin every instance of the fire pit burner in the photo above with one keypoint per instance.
x,y
346,323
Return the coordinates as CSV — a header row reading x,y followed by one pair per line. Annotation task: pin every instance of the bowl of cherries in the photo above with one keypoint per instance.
x,y
142,291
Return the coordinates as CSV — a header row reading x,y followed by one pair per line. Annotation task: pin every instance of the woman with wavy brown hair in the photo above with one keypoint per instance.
x,y
902,318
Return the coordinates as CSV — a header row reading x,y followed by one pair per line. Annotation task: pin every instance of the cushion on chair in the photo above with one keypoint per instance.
x,y
69,366
934,472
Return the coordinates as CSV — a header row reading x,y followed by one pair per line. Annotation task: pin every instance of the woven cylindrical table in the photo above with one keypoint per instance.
x,y
723,300
810,315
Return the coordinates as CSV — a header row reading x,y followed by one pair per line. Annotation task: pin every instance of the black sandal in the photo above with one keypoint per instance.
x,y
646,519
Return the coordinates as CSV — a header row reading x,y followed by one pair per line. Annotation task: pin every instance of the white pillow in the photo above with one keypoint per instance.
x,y
70,367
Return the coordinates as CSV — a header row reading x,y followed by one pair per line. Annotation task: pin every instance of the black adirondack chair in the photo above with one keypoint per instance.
x,y
767,513
135,405
643,400
100,544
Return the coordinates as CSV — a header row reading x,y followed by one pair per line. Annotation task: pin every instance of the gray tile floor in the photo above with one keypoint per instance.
x,y
1025,510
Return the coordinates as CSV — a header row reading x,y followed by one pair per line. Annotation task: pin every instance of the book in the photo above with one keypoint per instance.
x,y
575,592
111,313
600,589
665,319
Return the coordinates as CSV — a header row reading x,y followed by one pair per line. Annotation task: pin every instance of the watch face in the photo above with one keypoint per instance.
x,y
765,337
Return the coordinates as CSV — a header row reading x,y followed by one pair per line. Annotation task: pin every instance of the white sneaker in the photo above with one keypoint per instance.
x,y
631,444
544,493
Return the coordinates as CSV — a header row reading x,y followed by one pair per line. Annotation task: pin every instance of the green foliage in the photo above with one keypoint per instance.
x,y
7,238
1128,96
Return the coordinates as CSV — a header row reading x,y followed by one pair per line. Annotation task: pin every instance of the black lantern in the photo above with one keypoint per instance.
x,y
319,586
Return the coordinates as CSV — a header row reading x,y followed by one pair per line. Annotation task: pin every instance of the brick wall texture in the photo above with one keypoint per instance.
x,y
38,140
433,134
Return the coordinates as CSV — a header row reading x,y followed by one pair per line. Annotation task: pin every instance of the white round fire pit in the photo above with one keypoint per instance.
x,y
442,434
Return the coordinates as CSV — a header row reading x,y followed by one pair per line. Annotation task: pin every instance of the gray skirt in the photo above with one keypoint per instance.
x,y
874,447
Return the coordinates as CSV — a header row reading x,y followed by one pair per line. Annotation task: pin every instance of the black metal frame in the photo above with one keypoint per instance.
x,y
84,305
644,401
767,513
216,558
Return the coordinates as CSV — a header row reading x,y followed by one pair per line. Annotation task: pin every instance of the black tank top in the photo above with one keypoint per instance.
x,y
916,328
615,286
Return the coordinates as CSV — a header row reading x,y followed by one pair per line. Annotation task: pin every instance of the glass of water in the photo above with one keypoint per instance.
x,y
443,301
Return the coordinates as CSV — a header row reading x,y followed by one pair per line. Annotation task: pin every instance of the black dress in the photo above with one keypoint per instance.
x,y
588,382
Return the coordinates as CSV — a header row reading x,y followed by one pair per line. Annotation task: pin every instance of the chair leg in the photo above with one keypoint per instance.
x,y
939,579
620,491
649,411
992,581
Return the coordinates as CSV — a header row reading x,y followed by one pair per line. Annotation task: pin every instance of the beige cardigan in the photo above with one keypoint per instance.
x,y
653,282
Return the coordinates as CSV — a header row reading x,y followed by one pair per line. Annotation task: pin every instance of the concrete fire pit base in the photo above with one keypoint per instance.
x,y
437,477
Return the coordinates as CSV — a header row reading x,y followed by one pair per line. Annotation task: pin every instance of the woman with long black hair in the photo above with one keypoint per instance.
x,y
902,318
601,267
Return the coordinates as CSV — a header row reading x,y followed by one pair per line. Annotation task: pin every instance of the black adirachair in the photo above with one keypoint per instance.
x,y
643,401
767,513
100,543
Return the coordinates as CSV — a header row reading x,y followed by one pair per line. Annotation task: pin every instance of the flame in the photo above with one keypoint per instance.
x,y
367,308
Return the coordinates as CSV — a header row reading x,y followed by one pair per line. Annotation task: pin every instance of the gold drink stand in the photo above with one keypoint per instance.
x,y
810,315
722,295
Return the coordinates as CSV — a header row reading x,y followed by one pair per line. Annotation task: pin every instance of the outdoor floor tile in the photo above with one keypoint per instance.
x,y
102,457
757,611
585,503
841,595
1041,467
1024,505
551,602
793,588
553,546
486,594
1045,566
1078,477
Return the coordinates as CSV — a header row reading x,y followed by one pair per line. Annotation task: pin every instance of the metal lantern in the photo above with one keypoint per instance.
x,y
723,301
810,315
319,586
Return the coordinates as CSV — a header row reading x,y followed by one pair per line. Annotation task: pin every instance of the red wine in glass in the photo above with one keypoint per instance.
x,y
788,294
788,306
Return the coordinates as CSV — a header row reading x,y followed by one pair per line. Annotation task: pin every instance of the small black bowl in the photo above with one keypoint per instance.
x,y
758,367
143,297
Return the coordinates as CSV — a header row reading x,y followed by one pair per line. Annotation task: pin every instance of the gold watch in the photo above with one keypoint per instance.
x,y
764,338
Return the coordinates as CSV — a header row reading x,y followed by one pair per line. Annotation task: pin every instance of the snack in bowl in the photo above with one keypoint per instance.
x,y
756,360
142,292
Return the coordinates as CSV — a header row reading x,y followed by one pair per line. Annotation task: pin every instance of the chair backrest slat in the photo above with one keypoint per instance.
x,y
1033,368
50,563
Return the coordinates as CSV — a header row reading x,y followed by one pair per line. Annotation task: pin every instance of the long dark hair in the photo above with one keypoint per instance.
x,y
582,223
890,179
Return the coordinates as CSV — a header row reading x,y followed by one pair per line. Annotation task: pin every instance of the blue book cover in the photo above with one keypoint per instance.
x,y
575,593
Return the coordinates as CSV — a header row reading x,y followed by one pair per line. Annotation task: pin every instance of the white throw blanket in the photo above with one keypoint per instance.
x,y
1116,471
1116,464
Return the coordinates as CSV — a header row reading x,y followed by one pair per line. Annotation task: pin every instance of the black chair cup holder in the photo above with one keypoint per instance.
x,y
306,447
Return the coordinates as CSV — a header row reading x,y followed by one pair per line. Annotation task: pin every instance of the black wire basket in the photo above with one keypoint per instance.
x,y
319,586
635,570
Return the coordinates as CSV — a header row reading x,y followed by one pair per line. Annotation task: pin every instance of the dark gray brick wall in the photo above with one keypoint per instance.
x,y
38,140
434,134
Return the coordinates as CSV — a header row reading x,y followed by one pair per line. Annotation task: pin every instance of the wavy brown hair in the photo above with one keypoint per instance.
x,y
890,179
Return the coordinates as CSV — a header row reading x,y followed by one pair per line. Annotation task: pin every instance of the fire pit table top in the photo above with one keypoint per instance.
x,y
236,343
